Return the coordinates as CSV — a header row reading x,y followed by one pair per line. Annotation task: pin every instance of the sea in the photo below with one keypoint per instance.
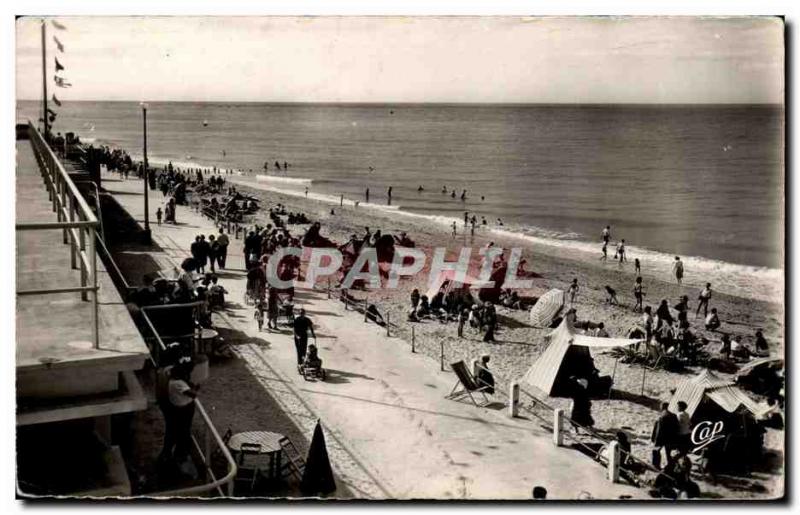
x,y
702,182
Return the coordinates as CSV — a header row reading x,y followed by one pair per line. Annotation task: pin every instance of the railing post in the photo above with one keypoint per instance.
x,y
413,339
365,308
388,323
73,245
558,427
62,208
81,263
441,355
513,399
95,292
613,461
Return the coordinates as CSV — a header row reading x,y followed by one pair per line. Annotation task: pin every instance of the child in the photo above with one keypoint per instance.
x,y
604,257
621,252
712,320
612,295
159,214
573,291
637,266
639,294
259,314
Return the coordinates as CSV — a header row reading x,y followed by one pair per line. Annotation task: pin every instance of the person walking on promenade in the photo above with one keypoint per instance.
x,y
302,326
704,297
213,249
272,309
222,248
197,251
677,269
159,214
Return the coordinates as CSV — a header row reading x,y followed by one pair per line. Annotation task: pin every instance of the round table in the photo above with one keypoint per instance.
x,y
270,446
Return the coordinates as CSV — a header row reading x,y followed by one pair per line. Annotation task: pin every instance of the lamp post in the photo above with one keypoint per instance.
x,y
146,236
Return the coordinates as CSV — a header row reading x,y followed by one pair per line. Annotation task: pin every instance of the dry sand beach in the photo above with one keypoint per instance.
x,y
519,344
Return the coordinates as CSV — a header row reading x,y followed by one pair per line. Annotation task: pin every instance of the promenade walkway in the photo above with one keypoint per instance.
x,y
391,433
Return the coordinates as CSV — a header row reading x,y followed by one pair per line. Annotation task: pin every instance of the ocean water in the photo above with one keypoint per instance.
x,y
697,181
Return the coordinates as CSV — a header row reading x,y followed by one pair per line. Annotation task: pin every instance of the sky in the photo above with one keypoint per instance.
x,y
409,59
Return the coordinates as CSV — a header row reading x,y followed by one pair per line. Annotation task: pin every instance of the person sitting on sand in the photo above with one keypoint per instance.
x,y
414,299
665,335
761,345
424,309
600,331
611,295
725,347
712,320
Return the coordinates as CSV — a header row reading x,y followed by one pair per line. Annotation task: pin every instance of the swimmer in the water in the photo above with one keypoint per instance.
x,y
464,195
499,221
453,194
483,220
444,190
420,188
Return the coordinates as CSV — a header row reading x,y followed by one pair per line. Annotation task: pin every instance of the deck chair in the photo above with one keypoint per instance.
x,y
466,385
247,471
295,463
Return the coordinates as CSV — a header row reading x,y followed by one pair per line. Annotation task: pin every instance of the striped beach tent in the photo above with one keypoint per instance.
x,y
567,354
708,387
547,308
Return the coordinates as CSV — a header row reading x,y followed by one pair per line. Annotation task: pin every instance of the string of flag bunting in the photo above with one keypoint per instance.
x,y
59,80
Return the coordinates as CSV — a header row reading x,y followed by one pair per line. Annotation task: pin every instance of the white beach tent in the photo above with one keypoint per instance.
x,y
709,387
567,354
546,308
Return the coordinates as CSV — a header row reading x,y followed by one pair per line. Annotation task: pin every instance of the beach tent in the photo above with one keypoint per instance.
x,y
708,393
446,281
567,354
547,308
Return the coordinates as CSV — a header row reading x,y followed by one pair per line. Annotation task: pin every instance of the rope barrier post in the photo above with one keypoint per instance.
x,y
644,373
388,323
441,356
413,339
558,427
513,399
613,461
365,308
329,288
613,377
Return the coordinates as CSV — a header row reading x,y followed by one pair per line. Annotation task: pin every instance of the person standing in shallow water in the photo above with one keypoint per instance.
x,y
366,195
677,269
389,195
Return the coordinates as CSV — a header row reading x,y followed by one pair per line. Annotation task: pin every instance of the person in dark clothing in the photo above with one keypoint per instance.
x,y
302,326
415,299
581,412
484,376
490,321
663,314
179,403
762,347
683,305
665,435
272,308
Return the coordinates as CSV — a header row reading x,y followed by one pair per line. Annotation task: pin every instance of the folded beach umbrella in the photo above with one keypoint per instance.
x,y
546,308
318,475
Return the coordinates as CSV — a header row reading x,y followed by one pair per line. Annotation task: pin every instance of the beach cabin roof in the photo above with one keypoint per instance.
x,y
546,308
567,351
719,390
